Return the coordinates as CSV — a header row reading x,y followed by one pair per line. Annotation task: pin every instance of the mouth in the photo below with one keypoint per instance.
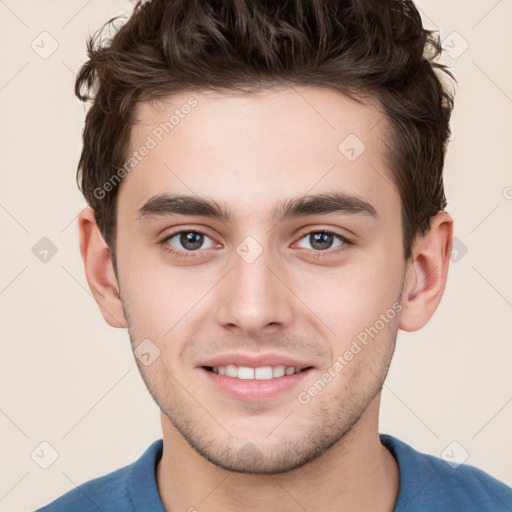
x,y
256,373
256,384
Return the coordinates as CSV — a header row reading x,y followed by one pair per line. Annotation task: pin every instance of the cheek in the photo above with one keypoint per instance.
x,y
166,304
159,306
349,298
155,296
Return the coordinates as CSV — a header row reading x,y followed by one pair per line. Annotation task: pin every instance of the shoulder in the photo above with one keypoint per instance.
x,y
430,483
94,495
115,491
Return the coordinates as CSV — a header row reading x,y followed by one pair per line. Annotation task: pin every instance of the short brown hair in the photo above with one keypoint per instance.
x,y
363,48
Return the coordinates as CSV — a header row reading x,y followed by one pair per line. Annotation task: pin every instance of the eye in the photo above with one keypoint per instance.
x,y
189,241
322,240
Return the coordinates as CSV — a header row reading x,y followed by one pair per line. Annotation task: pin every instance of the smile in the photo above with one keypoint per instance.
x,y
259,373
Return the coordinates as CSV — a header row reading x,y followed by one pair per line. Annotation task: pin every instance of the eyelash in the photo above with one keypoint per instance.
x,y
192,254
181,254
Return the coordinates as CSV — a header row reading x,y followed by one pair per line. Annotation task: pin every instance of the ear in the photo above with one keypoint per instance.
x,y
426,273
99,269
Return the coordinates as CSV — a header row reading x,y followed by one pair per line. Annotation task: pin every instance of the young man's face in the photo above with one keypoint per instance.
x,y
260,282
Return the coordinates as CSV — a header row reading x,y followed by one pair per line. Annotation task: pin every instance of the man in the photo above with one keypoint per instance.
x,y
266,211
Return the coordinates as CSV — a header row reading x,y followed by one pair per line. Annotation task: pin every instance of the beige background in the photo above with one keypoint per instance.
x,y
69,379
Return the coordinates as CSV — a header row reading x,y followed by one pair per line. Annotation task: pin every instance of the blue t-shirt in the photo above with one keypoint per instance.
x,y
427,484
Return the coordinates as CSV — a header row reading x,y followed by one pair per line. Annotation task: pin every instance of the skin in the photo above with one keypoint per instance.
x,y
250,153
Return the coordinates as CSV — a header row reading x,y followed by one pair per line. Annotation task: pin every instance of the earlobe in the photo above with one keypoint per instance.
x,y
426,274
99,270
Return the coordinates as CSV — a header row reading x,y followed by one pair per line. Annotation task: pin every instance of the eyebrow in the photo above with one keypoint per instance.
x,y
163,205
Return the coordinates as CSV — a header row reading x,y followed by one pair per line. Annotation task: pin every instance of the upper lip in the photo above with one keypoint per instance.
x,y
255,361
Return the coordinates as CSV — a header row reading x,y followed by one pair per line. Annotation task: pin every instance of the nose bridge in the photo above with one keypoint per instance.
x,y
254,297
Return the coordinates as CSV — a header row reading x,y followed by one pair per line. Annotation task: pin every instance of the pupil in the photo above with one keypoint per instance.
x,y
191,240
321,241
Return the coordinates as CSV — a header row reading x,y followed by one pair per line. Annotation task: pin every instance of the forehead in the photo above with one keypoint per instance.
x,y
251,150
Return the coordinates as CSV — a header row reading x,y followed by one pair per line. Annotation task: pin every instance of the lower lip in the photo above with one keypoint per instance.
x,y
254,389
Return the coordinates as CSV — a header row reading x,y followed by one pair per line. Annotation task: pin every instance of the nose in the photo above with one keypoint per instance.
x,y
254,298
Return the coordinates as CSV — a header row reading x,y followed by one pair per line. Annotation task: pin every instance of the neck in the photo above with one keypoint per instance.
x,y
357,473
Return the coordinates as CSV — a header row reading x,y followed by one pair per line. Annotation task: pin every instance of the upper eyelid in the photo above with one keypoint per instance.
x,y
186,230
328,231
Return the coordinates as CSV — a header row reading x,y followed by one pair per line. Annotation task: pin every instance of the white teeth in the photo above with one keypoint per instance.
x,y
231,370
244,372
263,373
260,373
278,371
